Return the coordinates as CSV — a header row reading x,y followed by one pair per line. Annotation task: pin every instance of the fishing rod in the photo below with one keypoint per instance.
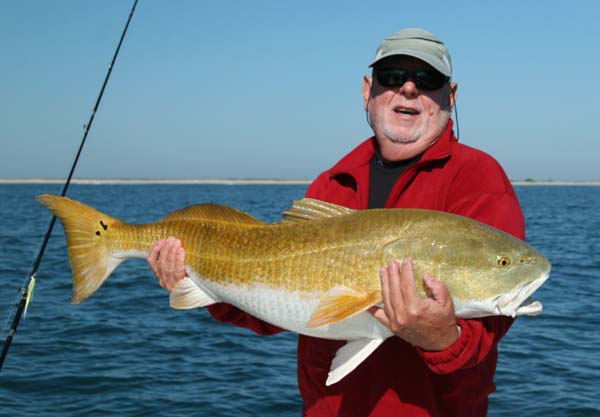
x,y
27,289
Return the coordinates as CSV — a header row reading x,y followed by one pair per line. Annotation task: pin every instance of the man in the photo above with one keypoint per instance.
x,y
437,365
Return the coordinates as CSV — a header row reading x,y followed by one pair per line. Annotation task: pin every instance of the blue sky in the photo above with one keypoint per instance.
x,y
271,89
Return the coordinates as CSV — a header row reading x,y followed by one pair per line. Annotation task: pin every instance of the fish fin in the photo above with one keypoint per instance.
x,y
532,309
86,229
349,356
341,302
187,294
309,209
216,213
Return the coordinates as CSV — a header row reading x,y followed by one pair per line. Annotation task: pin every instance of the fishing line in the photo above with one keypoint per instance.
x,y
456,120
26,291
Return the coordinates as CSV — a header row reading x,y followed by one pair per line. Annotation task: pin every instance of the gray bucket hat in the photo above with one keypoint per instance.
x,y
418,43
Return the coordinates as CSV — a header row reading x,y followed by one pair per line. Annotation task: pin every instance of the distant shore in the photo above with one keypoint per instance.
x,y
523,182
233,181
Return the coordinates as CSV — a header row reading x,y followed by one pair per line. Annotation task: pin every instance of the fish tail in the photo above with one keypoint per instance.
x,y
88,235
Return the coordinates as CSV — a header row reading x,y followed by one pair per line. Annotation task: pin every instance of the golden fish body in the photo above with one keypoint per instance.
x,y
317,271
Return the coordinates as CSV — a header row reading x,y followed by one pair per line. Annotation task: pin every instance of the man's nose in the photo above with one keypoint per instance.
x,y
409,89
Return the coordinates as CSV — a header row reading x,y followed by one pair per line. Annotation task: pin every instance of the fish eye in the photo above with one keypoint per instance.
x,y
503,261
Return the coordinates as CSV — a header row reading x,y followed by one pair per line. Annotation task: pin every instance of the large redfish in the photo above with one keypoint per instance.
x,y
317,271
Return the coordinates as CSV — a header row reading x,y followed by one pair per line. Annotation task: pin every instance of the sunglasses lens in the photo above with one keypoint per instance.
x,y
391,77
429,80
423,79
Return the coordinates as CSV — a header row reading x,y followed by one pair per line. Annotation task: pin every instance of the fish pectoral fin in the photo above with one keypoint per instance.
x,y
349,356
187,295
341,302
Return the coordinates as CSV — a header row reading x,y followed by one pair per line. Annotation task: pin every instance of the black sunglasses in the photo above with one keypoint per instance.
x,y
424,79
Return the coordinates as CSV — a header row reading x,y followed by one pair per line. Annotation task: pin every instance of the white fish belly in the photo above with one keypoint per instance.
x,y
291,310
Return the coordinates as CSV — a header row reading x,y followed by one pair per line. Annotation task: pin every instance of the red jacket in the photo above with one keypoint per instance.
x,y
399,379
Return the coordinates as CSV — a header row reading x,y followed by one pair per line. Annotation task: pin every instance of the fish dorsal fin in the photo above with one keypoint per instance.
x,y
210,212
310,209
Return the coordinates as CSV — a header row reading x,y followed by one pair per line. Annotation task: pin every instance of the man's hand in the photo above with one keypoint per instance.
x,y
427,323
166,259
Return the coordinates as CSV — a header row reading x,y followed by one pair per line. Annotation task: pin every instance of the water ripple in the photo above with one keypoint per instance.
x,y
124,352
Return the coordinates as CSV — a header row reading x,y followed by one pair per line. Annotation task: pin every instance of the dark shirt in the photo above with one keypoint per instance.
x,y
383,176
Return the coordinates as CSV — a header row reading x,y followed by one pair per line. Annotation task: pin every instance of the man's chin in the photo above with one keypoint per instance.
x,y
402,139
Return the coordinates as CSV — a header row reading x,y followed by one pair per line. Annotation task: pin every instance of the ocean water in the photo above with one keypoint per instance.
x,y
124,352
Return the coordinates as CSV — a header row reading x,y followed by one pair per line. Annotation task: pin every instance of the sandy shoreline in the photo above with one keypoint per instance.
x,y
233,181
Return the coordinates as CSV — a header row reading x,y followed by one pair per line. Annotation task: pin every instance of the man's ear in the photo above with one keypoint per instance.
x,y
453,94
366,90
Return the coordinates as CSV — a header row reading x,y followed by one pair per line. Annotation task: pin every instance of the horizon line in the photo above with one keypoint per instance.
x,y
236,181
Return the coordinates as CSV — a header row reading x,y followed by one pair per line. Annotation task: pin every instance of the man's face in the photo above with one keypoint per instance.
x,y
406,120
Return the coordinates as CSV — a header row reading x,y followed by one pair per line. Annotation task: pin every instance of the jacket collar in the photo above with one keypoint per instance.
x,y
360,157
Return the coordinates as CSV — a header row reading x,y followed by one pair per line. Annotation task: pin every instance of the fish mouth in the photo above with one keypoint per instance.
x,y
518,302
